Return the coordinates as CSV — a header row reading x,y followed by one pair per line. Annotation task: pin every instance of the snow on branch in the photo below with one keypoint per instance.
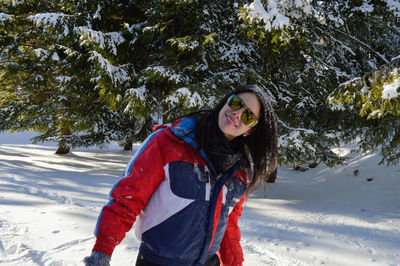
x,y
186,43
50,20
191,99
233,52
278,12
41,53
118,74
376,93
109,39
140,93
14,2
394,6
4,17
365,8
167,73
390,89
97,14
296,139
138,101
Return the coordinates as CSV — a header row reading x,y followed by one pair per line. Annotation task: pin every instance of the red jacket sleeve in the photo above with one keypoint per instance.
x,y
129,196
231,252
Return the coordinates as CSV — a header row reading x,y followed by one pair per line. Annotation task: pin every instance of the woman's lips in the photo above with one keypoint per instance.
x,y
230,120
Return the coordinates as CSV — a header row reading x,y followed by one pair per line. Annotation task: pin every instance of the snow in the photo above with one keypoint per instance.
x,y
118,74
16,2
185,43
42,53
63,79
391,90
166,72
55,57
4,17
365,8
256,10
97,14
294,139
375,114
51,20
191,99
394,5
109,39
325,216
139,93
278,12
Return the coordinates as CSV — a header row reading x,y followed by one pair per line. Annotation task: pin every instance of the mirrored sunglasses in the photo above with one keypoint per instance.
x,y
248,117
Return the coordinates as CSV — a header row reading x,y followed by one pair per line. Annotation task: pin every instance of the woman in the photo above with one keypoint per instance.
x,y
187,183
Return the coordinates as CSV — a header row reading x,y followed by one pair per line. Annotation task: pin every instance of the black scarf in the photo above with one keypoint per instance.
x,y
219,150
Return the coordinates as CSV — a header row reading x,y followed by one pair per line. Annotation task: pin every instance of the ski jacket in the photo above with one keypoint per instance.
x,y
185,213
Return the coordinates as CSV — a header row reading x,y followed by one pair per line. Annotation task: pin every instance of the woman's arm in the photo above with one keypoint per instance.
x,y
129,196
231,252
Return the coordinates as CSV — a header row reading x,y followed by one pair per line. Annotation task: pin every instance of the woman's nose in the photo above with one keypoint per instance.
x,y
238,113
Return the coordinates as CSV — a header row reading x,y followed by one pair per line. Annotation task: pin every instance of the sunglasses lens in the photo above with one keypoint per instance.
x,y
235,102
249,119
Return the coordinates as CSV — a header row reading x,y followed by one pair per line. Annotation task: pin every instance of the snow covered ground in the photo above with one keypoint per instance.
x,y
49,206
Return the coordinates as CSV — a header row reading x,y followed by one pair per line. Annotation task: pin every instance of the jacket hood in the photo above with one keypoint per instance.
x,y
183,128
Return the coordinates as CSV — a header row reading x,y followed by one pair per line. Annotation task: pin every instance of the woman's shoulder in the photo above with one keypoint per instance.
x,y
169,133
180,132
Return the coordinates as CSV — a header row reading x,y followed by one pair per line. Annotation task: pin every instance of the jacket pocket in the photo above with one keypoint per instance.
x,y
189,181
235,191
181,236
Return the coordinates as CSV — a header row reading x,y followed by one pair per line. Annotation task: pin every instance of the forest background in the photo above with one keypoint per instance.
x,y
83,72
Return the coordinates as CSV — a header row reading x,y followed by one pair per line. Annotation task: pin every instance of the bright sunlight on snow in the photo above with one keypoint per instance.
x,y
348,215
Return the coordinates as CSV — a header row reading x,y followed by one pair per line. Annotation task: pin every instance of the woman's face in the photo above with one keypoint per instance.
x,y
230,121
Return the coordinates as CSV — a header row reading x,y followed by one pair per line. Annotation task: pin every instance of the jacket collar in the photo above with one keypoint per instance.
x,y
183,128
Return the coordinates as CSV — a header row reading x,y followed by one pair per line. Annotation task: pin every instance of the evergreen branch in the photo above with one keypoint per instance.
x,y
361,43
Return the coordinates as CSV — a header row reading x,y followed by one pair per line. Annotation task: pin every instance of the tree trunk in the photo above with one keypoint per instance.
x,y
62,148
128,145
